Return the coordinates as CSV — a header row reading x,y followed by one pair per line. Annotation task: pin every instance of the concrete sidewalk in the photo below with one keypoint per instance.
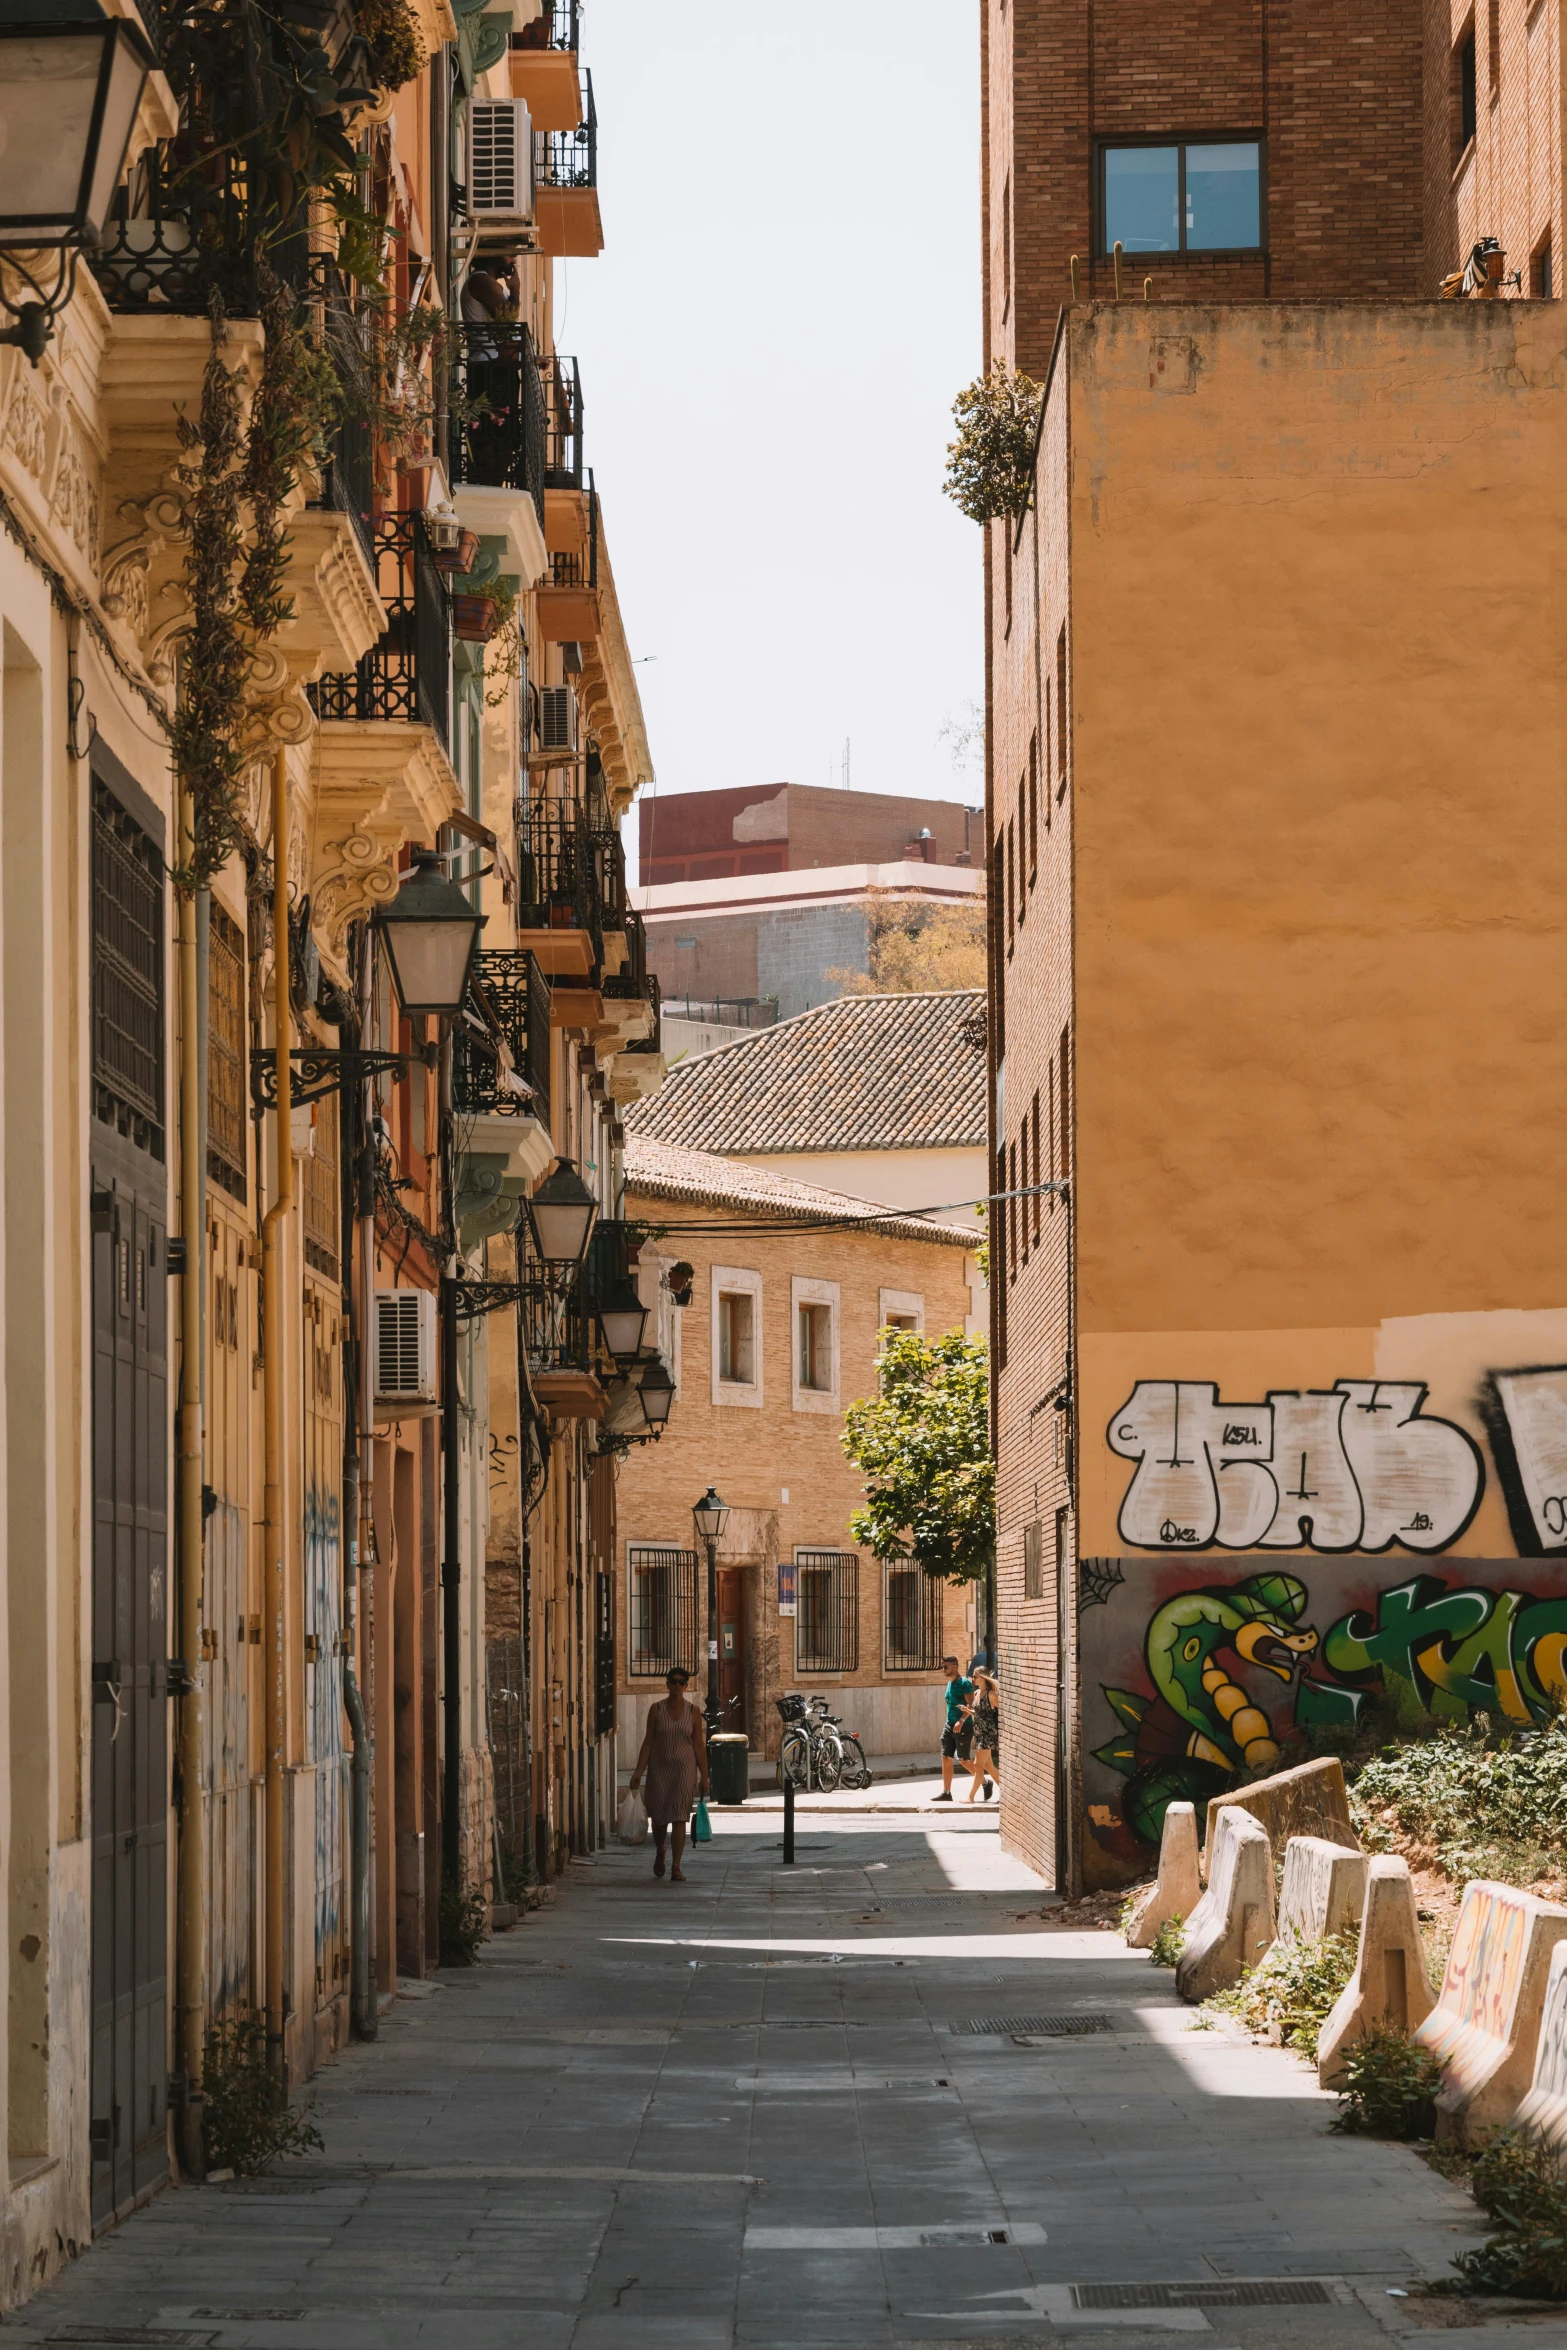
x,y
753,2111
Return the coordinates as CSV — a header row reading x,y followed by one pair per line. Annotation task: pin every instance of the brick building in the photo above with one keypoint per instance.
x,y
780,1336
1267,901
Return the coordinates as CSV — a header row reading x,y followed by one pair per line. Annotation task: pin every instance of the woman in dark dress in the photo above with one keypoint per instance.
x,y
984,1712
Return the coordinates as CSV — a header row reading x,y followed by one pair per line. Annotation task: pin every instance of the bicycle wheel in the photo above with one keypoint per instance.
x,y
827,1758
856,1770
794,1760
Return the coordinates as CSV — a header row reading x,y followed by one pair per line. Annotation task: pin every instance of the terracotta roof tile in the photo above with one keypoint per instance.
x,y
665,1170
865,1073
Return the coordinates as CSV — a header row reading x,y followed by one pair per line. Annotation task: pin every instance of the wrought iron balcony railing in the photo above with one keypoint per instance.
x,y
500,434
630,983
348,474
509,994
558,870
559,1329
178,238
407,676
560,380
570,159
654,1041
555,29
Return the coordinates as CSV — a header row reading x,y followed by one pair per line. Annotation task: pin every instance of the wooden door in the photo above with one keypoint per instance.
x,y
731,1649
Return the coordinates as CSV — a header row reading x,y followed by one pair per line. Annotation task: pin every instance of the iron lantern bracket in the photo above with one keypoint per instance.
x,y
318,1070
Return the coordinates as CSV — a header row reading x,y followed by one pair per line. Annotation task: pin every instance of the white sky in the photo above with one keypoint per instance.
x,y
788,299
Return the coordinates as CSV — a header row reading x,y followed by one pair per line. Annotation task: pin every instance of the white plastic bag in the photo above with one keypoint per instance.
x,y
631,1827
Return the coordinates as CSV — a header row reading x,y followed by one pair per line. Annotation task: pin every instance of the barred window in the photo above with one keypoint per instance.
x,y
663,1610
323,1197
226,1120
912,1623
827,1611
127,975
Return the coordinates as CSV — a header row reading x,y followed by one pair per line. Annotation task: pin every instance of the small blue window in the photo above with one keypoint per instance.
x,y
1192,197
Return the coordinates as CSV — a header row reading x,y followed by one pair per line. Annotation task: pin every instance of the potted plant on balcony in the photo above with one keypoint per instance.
x,y
479,612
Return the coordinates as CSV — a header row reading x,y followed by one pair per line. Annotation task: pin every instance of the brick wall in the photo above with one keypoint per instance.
x,y
1507,181
758,1455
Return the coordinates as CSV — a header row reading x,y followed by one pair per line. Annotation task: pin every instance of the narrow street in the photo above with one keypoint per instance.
x,y
752,2110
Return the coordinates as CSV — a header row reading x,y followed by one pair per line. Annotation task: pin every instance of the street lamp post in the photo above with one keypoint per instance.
x,y
711,1516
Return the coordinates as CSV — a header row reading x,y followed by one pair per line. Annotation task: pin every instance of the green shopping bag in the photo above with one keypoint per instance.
x,y
701,1826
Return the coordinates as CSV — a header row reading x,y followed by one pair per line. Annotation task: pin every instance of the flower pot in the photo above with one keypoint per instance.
x,y
475,618
461,555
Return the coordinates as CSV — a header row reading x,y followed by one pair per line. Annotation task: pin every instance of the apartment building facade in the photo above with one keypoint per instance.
x,y
1270,506
285,1371
778,1336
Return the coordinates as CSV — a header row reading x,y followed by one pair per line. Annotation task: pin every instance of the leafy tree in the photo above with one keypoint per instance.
x,y
923,1447
991,463
913,948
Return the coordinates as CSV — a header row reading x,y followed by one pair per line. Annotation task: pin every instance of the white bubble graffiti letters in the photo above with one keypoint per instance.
x,y
1350,1467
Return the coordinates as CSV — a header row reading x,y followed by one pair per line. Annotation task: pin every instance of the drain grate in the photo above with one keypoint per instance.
x,y
1241,2293
1049,2027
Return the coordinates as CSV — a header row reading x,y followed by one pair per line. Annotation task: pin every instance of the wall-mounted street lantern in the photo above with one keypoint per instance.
x,y
657,1391
561,1216
623,1320
71,81
710,1517
432,935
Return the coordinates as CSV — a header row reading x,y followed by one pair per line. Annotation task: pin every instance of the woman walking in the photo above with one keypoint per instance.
x,y
674,1756
984,1711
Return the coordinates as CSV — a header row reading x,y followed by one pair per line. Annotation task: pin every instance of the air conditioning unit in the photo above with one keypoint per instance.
x,y
557,718
500,163
406,1381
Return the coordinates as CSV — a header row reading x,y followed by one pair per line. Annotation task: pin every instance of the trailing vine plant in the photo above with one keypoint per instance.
x,y
990,464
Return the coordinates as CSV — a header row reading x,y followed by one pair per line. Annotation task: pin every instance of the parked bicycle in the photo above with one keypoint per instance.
x,y
816,1750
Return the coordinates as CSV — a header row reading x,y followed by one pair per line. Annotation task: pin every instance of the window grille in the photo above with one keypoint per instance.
x,y
127,975
604,1656
323,1194
912,1639
663,1610
827,1611
226,1120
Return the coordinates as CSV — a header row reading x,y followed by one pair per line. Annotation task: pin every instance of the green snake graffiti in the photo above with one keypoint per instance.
x,y
1186,1743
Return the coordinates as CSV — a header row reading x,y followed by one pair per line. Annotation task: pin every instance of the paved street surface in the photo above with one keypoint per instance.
x,y
742,2112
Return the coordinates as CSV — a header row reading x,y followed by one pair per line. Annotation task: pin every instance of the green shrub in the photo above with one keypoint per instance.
x,y
1294,1985
1487,1803
1390,2086
465,1923
1167,1945
1518,2183
246,2119
990,464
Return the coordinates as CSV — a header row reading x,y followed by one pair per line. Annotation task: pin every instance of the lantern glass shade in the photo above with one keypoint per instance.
x,y
711,1515
657,1391
561,1216
69,92
623,1319
432,934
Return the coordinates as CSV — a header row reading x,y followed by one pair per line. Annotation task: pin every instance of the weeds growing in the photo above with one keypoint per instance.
x,y
1390,2086
1166,1947
247,2122
1484,1804
1518,2183
1293,1987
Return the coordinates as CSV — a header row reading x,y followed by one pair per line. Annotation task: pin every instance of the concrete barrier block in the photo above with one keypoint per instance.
x,y
1311,1800
1232,1925
1176,1890
1543,2113
1485,2027
1390,1984
1324,1888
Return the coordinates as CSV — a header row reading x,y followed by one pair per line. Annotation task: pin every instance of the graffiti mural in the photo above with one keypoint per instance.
x,y
1189,1689
1356,1466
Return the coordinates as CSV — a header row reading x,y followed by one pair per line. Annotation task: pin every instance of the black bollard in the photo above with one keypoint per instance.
x,y
788,1858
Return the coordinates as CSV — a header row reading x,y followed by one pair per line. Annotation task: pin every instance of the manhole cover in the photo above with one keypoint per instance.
x,y
1242,2293
1049,2027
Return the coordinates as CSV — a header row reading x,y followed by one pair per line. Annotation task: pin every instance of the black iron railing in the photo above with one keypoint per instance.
x,y
826,1611
664,1623
570,159
746,1011
555,29
630,983
407,676
607,1263
499,434
559,1329
560,381
580,567
654,1041
178,238
557,870
508,994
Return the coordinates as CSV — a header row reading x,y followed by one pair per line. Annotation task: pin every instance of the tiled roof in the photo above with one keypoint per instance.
x,y
865,1073
664,1170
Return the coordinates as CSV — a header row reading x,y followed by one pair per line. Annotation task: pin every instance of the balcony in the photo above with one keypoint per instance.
x,y
501,1091
560,382
503,438
406,677
558,913
565,187
544,67
629,1016
348,475
638,1068
568,605
176,240
560,1337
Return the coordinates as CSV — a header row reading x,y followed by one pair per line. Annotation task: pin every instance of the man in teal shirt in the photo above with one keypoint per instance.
x,y
955,1737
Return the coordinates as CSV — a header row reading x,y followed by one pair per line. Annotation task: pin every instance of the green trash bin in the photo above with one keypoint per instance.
x,y
729,1766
